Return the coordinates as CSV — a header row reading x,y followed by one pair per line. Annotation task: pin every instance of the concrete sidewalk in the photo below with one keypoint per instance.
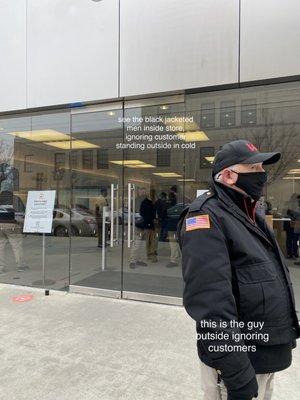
x,y
70,346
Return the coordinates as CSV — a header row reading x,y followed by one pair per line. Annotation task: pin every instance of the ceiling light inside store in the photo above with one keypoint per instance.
x,y
210,158
144,165
74,145
164,107
133,164
197,136
111,113
127,162
291,177
182,126
42,135
186,180
167,174
294,171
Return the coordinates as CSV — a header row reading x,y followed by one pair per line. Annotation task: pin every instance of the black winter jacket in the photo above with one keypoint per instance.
x,y
234,270
147,211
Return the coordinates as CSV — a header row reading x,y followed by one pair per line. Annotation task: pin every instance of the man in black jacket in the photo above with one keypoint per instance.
x,y
148,213
237,283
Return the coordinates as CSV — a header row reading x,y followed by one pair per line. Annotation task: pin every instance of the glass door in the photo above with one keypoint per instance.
x,y
34,156
153,199
96,206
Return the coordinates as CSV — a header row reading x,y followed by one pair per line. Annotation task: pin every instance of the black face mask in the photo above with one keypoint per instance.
x,y
252,183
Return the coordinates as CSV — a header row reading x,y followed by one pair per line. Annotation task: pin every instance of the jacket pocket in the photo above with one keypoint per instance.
x,y
254,284
254,273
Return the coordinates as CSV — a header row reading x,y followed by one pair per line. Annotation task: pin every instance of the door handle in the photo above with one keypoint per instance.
x,y
103,260
112,194
117,214
114,189
131,214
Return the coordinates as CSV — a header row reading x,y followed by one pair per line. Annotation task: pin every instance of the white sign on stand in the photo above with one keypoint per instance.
x,y
39,211
39,216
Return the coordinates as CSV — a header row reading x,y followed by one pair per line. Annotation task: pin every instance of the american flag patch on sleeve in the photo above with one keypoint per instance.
x,y
197,222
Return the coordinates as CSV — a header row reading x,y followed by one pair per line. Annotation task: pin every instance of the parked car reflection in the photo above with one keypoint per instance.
x,y
83,223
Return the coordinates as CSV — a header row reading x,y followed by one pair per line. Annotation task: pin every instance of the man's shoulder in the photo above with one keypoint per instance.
x,y
201,202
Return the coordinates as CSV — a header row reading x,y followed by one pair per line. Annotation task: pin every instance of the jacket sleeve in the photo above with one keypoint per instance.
x,y
208,296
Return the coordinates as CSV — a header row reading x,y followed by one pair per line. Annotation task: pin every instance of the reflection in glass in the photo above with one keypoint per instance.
x,y
267,116
30,161
96,198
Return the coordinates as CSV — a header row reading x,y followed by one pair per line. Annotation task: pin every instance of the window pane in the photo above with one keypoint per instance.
x,y
87,159
102,159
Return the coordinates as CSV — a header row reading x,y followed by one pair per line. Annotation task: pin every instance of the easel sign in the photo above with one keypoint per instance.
x,y
39,211
39,217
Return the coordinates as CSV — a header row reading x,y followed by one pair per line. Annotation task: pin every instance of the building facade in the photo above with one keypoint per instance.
x,y
110,102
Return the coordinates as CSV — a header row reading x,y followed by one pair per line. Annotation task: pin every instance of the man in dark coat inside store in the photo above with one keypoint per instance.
x,y
237,285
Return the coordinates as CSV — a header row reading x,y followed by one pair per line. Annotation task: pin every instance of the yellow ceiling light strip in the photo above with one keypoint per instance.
x,y
167,174
42,135
133,164
72,144
54,138
127,162
144,165
196,136
181,126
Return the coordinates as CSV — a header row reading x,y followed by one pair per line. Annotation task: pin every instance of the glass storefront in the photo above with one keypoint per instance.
x,y
123,172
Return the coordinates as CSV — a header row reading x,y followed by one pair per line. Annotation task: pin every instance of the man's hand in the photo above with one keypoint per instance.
x,y
247,392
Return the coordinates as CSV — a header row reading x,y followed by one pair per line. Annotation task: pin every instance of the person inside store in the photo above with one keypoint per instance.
x,y
297,229
237,285
161,207
10,228
171,228
172,197
148,214
292,237
138,247
173,242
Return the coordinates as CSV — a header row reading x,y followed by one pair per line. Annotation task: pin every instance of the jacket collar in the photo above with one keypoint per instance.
x,y
243,201
235,200
232,207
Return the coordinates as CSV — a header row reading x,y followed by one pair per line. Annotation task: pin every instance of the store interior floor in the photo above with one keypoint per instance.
x,y
86,269
71,346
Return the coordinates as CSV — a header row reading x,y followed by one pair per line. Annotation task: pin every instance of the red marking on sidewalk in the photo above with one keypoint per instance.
x,y
22,298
